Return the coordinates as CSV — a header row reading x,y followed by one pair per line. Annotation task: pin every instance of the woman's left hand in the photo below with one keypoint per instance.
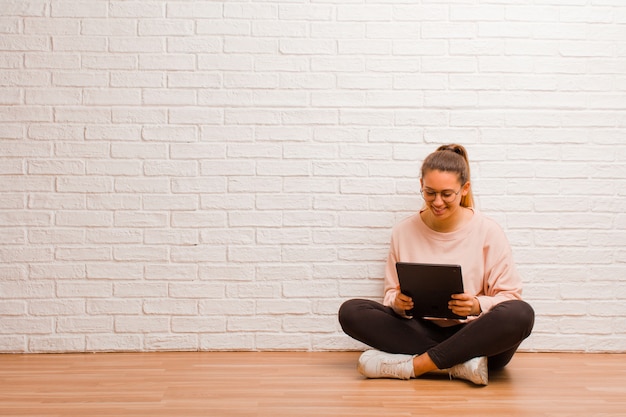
x,y
464,305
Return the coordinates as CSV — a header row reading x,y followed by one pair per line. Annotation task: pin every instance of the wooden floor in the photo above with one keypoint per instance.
x,y
298,384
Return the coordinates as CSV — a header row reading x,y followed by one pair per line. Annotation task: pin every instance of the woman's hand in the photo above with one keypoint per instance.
x,y
464,305
402,303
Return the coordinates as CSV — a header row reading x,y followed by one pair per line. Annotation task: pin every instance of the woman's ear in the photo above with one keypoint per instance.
x,y
466,188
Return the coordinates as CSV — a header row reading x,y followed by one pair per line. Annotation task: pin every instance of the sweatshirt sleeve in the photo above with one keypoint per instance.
x,y
501,281
391,281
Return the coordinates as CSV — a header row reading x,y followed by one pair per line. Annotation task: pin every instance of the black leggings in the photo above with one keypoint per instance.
x,y
496,334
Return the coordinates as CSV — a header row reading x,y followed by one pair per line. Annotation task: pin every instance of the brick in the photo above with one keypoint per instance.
x,y
144,9
140,289
57,308
266,219
337,30
153,79
171,272
171,168
25,149
26,326
113,168
188,116
59,96
122,343
57,271
171,62
9,25
142,219
240,45
310,289
230,168
116,202
24,218
176,97
165,27
82,43
364,13
139,150
82,254
231,202
11,131
198,219
171,307
25,114
56,236
27,78
25,43
141,115
108,97
307,47
231,27
197,10
201,185
196,44
198,253
312,12
221,236
198,325
173,202
168,342
170,133
26,290
108,27
83,218
227,341
257,254
139,45
255,324
310,325
141,324
51,26
114,236
15,236
283,342
13,272
317,219
247,11
115,271
82,115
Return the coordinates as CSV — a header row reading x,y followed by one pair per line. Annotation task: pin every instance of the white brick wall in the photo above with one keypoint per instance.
x,y
183,175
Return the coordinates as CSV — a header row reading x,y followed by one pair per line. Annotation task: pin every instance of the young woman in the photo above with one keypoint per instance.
x,y
448,230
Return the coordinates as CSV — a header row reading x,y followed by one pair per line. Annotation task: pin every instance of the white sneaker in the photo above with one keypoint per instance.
x,y
474,370
377,364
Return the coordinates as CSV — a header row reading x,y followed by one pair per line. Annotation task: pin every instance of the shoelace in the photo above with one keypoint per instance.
x,y
391,369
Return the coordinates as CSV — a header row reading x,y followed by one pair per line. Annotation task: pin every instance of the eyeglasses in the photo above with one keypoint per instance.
x,y
446,195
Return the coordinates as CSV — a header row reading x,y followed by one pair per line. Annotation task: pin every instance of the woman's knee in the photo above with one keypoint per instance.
x,y
353,312
526,315
347,311
520,317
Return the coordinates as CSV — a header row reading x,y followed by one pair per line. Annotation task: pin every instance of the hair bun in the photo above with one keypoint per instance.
x,y
453,148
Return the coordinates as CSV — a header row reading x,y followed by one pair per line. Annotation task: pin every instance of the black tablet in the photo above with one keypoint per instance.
x,y
431,287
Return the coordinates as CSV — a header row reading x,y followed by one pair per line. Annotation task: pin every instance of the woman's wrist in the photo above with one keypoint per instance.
x,y
476,309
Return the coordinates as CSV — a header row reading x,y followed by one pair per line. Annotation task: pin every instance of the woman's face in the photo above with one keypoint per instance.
x,y
442,192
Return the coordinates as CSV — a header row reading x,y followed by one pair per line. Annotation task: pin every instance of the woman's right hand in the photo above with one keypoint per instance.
x,y
402,303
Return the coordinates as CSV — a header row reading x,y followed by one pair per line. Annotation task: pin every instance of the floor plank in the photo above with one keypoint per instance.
x,y
276,384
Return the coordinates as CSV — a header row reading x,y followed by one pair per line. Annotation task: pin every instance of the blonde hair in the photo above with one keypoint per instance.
x,y
451,158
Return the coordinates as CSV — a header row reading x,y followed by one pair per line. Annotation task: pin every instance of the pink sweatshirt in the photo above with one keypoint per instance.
x,y
480,247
